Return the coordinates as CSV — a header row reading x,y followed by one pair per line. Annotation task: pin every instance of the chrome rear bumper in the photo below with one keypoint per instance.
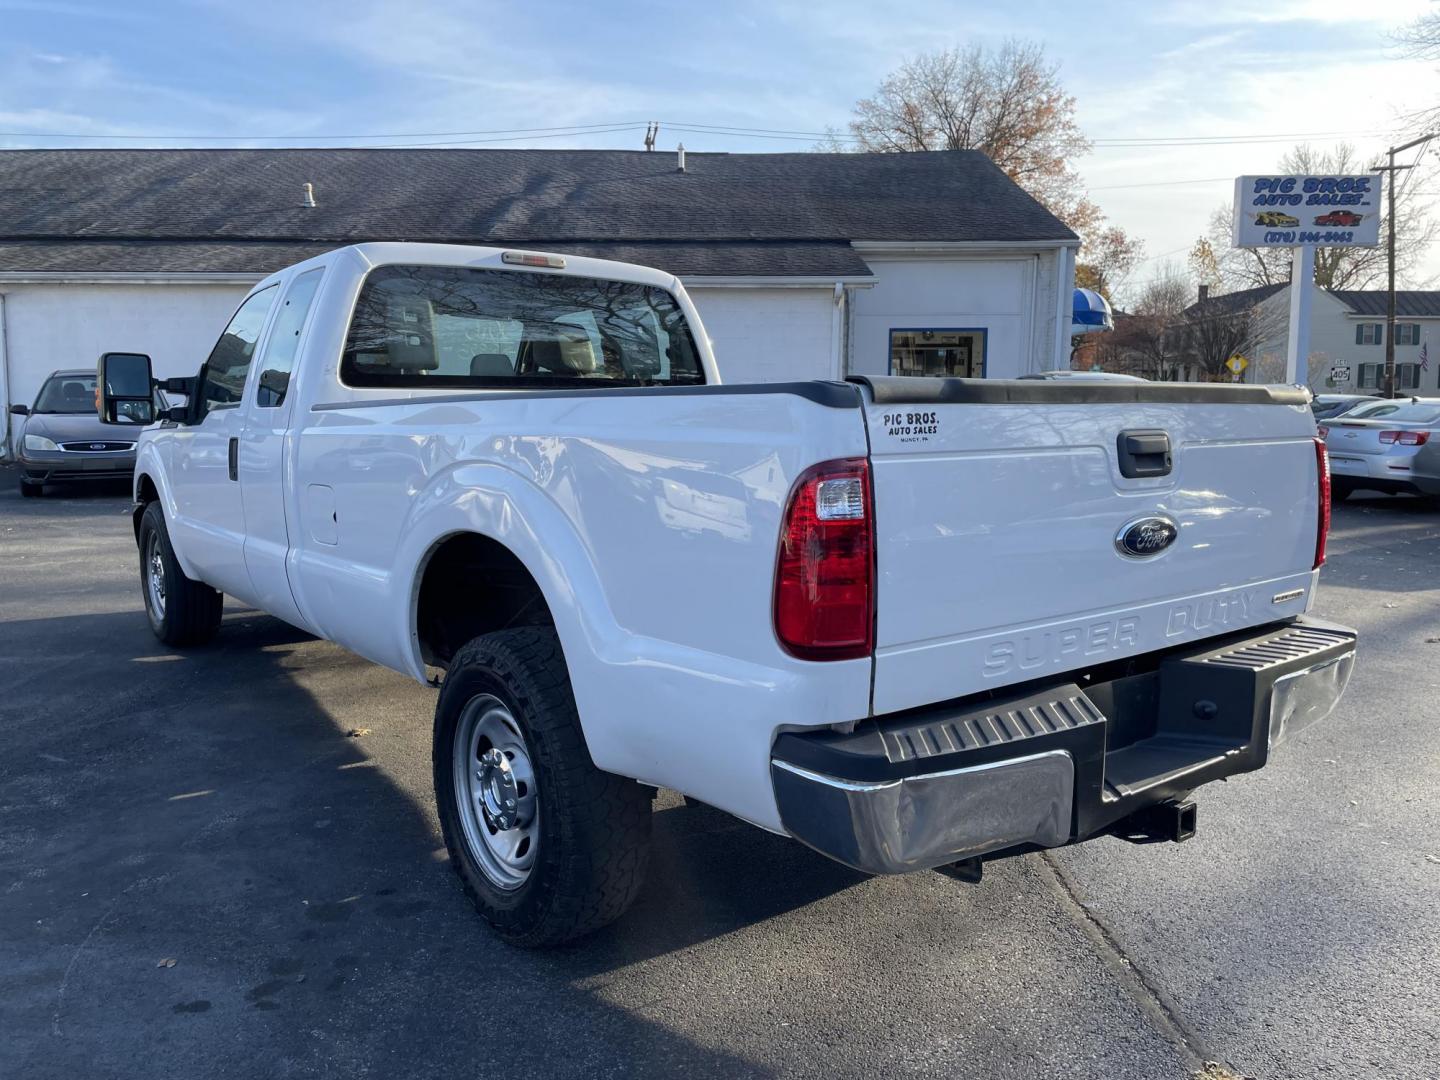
x,y
893,827
1056,767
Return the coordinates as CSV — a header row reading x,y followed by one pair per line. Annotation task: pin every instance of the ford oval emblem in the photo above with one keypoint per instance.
x,y
1146,537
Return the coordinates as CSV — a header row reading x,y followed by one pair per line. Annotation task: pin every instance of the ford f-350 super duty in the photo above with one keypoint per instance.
x,y
909,622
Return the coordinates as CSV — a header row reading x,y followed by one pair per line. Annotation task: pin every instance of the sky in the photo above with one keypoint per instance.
x,y
1251,77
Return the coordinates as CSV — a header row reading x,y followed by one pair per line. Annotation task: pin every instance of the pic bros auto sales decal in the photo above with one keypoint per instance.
x,y
1307,211
911,427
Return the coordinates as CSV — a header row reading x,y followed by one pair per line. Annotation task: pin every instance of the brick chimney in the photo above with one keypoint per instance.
x,y
1204,293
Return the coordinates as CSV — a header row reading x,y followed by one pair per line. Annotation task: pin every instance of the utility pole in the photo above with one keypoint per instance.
x,y
1391,170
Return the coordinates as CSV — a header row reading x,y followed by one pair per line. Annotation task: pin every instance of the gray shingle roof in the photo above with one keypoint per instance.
x,y
689,258
726,214
1233,302
1415,304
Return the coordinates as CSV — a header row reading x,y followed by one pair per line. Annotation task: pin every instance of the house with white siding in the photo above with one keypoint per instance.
x,y
1347,338
803,266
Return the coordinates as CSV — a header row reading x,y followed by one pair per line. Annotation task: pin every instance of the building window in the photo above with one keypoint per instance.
x,y
956,354
1372,377
1407,333
1369,333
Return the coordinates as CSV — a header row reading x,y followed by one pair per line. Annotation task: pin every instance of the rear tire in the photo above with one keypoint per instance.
x,y
182,611
30,489
547,846
1340,490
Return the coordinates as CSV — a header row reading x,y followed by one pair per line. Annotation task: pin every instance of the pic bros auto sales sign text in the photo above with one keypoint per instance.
x,y
1307,211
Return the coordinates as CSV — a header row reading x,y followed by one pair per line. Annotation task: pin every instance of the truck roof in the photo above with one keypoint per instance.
x,y
384,253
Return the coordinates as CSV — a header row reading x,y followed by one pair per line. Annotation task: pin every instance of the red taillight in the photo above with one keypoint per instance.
x,y
1405,438
1322,531
825,580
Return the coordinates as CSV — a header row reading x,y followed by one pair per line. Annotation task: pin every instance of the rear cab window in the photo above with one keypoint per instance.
x,y
442,326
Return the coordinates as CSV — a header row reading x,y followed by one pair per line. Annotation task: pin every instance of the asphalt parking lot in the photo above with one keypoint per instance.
x,y
225,863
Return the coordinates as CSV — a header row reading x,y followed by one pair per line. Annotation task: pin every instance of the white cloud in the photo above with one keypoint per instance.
x,y
1244,12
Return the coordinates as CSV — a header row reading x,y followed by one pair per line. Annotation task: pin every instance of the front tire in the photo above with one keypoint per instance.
x,y
30,489
547,846
182,611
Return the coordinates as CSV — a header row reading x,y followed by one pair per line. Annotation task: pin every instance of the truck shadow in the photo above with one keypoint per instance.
x,y
207,808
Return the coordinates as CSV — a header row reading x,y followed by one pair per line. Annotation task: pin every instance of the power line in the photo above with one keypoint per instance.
x,y
297,138
512,138
1163,183
693,127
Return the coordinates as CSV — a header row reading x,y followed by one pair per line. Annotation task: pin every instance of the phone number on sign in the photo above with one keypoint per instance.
x,y
1293,236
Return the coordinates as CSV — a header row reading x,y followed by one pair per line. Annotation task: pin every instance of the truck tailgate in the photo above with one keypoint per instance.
x,y
1001,509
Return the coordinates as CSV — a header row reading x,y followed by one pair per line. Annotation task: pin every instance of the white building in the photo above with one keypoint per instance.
x,y
1347,338
803,266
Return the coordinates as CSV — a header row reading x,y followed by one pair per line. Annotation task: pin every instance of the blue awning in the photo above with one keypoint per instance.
x,y
1091,313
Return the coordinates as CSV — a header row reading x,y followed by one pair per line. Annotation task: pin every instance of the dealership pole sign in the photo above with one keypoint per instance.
x,y
1303,213
1307,211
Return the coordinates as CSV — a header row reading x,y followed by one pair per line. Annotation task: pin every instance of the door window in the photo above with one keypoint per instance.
x,y
285,340
229,361
958,354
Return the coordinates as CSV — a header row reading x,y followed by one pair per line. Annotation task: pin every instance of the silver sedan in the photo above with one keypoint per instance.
x,y
1397,452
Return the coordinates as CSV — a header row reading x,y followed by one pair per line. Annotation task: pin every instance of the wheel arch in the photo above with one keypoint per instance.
x,y
492,512
468,584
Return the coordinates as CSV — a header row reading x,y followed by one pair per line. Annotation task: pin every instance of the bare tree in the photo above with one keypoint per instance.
x,y
1205,267
1151,330
1211,333
1335,268
1009,104
1109,254
1421,40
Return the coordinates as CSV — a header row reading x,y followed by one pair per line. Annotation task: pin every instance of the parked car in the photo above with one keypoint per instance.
x,y
1375,408
1325,406
1345,219
1064,375
1274,219
62,439
907,621
1397,452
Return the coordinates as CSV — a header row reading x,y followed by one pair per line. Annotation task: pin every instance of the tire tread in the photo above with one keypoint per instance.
x,y
192,608
600,821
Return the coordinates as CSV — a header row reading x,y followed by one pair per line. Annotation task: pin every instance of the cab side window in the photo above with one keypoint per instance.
x,y
229,361
279,358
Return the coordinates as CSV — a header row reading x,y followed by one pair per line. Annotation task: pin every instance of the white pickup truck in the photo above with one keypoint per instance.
x,y
908,622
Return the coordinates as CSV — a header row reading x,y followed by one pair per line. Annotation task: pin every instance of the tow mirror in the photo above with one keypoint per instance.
x,y
125,389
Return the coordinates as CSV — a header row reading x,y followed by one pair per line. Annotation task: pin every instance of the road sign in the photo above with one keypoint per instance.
x,y
1339,374
1237,364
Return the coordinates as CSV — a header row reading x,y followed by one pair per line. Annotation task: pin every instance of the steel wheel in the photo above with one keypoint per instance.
x,y
495,794
155,579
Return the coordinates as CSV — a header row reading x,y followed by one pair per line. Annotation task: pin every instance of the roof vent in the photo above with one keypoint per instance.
x,y
309,199
681,151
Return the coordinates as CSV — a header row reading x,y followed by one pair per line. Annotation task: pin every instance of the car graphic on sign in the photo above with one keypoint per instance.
x,y
1345,218
1274,219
